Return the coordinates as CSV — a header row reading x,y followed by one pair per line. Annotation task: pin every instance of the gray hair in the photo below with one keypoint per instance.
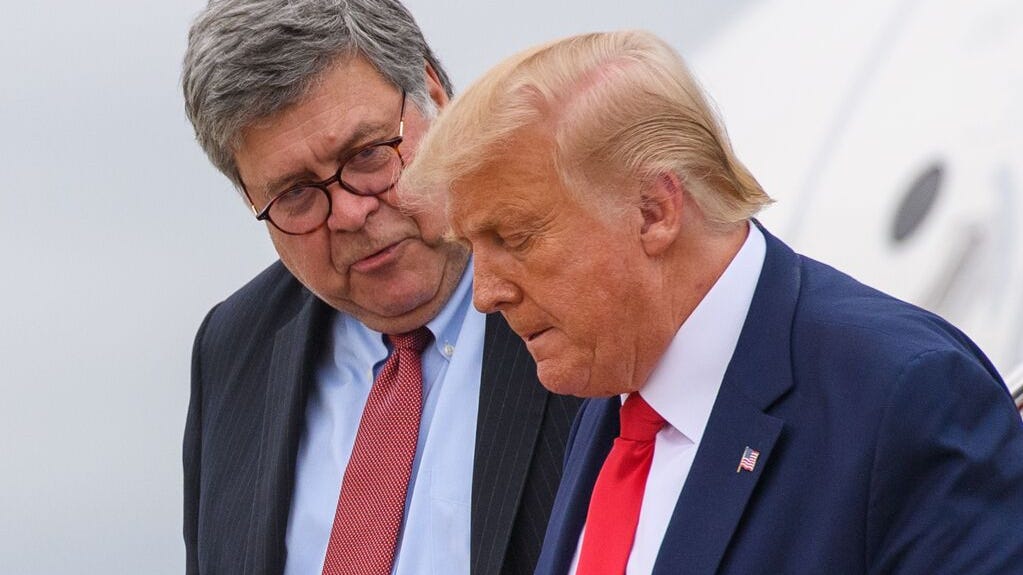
x,y
248,59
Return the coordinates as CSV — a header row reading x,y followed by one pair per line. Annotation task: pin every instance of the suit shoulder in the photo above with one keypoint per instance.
x,y
839,315
248,318
274,292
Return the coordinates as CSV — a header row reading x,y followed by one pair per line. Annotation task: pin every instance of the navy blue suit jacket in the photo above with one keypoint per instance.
x,y
888,444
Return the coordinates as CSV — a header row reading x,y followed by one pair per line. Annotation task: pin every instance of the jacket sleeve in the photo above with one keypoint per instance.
x,y
192,455
947,479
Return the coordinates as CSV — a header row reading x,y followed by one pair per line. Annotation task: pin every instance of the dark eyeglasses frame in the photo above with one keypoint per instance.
x,y
324,185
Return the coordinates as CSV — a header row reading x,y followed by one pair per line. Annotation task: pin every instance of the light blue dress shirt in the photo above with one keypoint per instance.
x,y
435,533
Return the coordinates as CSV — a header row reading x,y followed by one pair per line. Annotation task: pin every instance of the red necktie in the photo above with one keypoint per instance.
x,y
618,493
372,501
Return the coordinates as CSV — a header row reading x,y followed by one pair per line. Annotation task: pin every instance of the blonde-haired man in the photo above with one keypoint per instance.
x,y
752,411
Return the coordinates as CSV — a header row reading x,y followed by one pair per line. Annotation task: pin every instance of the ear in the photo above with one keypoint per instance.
x,y
661,207
435,88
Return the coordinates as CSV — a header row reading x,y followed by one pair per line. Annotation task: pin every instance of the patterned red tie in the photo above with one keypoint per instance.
x,y
372,501
618,494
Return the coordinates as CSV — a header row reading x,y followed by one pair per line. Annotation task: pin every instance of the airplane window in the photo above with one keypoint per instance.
x,y
918,201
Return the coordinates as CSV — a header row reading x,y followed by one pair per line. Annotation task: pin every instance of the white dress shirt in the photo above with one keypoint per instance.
x,y
683,387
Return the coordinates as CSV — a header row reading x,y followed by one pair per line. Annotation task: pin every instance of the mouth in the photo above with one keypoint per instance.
x,y
532,336
378,259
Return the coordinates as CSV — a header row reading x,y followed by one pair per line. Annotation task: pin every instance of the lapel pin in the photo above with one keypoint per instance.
x,y
748,462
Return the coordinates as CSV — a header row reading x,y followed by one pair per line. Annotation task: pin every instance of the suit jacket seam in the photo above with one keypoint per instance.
x,y
883,422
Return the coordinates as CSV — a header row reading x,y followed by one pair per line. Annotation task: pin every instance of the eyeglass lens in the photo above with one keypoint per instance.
x,y
370,172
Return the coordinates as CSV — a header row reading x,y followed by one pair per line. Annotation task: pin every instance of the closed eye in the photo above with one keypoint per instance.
x,y
296,200
369,160
518,241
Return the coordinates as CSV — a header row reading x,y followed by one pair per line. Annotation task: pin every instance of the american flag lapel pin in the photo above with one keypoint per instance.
x,y
748,462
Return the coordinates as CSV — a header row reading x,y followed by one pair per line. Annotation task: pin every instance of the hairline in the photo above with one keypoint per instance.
x,y
231,79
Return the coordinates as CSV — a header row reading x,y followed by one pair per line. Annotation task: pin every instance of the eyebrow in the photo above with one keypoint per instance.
x,y
462,230
358,138
506,217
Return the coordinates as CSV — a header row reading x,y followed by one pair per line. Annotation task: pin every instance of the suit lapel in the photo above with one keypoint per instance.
x,y
511,409
591,441
294,353
716,493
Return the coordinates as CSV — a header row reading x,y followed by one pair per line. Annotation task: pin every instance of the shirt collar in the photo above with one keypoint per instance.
x,y
685,382
447,324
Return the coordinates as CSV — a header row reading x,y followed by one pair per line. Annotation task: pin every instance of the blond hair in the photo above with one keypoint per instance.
x,y
620,106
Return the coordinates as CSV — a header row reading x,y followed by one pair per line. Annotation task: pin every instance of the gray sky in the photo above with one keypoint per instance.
x,y
117,237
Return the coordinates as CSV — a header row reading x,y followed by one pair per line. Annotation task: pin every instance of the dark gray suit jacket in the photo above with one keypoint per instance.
x,y
252,366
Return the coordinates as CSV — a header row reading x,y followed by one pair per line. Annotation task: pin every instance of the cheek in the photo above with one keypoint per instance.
x,y
430,220
307,257
596,313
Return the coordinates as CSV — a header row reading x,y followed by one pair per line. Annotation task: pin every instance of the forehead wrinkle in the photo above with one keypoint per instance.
x,y
501,190
464,222
462,226
501,217
509,204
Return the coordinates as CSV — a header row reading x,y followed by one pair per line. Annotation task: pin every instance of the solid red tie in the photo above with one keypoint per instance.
x,y
618,493
372,501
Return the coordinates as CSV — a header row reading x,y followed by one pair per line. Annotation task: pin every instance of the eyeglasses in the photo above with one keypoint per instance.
x,y
367,171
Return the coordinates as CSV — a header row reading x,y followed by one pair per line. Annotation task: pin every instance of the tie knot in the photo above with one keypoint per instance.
x,y
415,340
639,421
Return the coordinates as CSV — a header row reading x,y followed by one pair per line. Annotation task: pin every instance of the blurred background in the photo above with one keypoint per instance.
x,y
888,131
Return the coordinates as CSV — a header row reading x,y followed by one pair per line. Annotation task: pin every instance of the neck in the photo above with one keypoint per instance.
x,y
688,272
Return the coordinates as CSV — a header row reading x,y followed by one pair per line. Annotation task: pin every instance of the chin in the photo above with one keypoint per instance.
x,y
565,380
399,323
406,304
400,312
398,296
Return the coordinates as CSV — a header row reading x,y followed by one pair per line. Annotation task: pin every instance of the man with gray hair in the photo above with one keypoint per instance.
x,y
753,411
335,397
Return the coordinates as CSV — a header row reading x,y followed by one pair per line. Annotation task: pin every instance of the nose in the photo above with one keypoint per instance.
x,y
492,291
348,211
